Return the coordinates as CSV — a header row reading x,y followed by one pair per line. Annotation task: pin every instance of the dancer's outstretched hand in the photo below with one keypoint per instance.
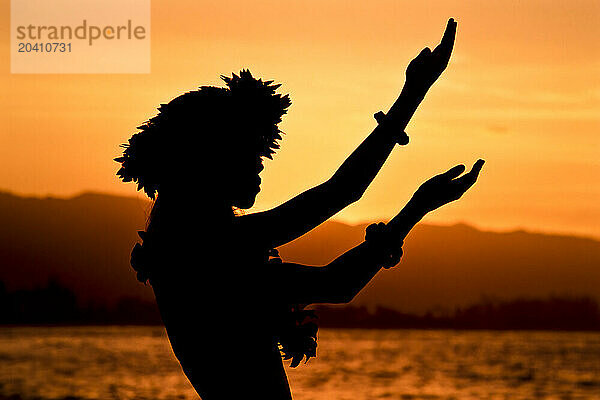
x,y
427,67
446,187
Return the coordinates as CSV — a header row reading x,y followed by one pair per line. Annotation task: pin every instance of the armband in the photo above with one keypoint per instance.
x,y
389,251
401,138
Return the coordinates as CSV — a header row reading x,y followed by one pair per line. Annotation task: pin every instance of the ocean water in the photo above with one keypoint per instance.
x,y
137,363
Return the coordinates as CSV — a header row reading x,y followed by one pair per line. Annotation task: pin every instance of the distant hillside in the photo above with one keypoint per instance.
x,y
85,241
56,305
444,267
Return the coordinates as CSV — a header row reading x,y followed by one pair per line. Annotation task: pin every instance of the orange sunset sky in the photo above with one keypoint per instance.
x,y
522,91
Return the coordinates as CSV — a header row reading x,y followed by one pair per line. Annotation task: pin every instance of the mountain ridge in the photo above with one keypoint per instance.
x,y
85,242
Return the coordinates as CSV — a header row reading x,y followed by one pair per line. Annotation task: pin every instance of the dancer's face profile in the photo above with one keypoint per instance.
x,y
246,181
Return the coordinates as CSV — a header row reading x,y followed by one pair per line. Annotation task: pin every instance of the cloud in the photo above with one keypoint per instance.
x,y
500,129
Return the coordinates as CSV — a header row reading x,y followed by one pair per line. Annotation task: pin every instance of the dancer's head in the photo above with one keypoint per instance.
x,y
212,138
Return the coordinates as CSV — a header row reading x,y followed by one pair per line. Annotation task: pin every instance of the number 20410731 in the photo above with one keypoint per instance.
x,y
50,47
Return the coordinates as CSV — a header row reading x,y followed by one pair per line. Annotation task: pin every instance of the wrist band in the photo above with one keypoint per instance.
x,y
378,236
402,138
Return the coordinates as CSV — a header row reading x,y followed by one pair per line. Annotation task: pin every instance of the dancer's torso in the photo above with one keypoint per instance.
x,y
216,304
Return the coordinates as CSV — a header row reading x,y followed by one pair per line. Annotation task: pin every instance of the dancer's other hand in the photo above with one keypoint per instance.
x,y
445,188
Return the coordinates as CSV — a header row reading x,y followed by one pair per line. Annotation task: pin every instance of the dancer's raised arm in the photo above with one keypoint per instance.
x,y
342,279
302,213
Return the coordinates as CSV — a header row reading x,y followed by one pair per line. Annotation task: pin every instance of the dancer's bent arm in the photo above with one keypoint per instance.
x,y
342,279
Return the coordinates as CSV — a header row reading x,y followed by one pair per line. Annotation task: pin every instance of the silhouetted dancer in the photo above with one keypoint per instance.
x,y
230,306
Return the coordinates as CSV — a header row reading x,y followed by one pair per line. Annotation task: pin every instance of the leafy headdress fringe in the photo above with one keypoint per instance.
x,y
252,101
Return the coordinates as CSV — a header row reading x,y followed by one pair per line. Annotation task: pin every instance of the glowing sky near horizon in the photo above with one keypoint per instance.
x,y
522,91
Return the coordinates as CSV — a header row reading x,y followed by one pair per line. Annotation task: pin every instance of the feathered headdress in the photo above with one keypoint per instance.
x,y
248,109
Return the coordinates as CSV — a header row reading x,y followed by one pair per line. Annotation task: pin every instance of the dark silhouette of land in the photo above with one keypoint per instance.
x,y
54,304
468,264
84,242
565,314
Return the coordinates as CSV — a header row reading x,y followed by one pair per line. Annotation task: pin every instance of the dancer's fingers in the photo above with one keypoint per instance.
x,y
452,172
